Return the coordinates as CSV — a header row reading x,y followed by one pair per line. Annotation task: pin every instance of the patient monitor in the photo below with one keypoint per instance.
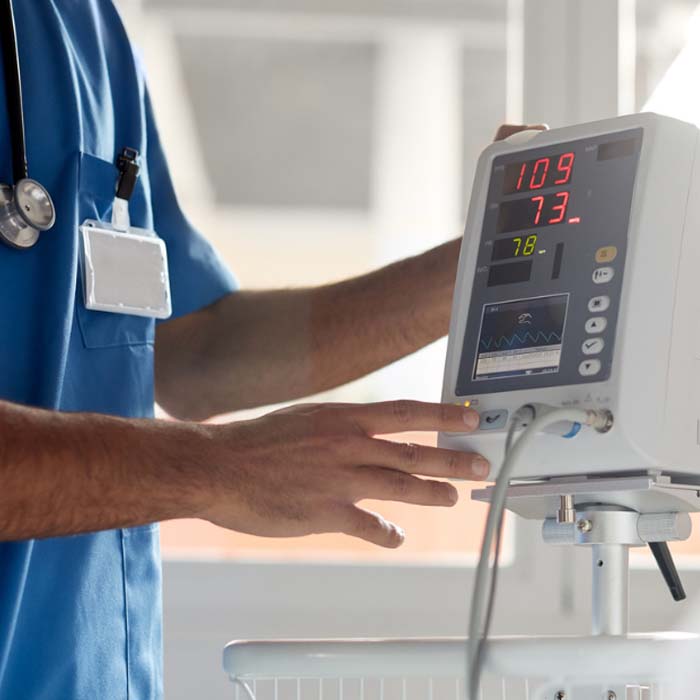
x,y
579,286
577,312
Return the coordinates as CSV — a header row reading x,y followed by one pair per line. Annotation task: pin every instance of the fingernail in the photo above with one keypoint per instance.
x,y
471,419
480,467
454,496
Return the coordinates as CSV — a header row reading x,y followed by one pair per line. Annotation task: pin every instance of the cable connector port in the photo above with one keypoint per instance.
x,y
563,428
600,420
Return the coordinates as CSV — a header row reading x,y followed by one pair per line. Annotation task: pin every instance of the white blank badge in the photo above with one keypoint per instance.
x,y
124,272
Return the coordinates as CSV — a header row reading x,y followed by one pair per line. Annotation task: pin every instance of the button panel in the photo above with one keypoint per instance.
x,y
595,326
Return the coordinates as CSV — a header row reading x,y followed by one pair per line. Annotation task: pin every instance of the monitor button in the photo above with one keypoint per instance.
x,y
596,324
599,304
589,368
606,254
602,275
592,346
493,420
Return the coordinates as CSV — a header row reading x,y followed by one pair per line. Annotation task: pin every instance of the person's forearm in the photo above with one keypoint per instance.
x,y
366,323
258,348
293,472
63,473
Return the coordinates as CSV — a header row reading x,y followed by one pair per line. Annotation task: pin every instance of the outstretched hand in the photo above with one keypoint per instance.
x,y
302,470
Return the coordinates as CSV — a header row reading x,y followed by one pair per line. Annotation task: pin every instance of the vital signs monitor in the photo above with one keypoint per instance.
x,y
579,286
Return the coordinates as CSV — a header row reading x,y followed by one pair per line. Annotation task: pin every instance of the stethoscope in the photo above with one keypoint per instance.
x,y
26,208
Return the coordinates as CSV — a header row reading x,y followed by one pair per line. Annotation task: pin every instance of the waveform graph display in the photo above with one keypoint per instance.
x,y
522,337
519,339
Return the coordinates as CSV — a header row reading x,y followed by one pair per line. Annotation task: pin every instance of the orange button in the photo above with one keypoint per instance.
x,y
606,254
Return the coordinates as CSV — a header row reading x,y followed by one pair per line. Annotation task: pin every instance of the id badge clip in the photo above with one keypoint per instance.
x,y
124,268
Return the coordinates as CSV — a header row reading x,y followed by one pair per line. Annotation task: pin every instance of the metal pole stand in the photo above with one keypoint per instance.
x,y
610,532
609,514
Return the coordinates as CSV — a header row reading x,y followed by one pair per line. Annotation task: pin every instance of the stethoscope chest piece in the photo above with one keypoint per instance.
x,y
25,210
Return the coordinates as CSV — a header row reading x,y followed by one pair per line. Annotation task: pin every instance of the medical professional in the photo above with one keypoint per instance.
x,y
85,471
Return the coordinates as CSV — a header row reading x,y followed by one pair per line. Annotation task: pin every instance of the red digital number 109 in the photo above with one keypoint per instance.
x,y
541,170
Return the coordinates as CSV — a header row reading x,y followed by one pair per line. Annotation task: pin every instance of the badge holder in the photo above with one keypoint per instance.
x,y
125,268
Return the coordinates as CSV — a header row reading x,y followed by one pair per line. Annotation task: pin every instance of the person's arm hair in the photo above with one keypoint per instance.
x,y
263,347
67,473
292,472
258,348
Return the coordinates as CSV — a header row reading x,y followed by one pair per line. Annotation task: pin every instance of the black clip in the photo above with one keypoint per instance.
x,y
127,164
663,557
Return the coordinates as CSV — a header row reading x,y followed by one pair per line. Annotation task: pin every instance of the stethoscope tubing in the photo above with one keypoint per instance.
x,y
13,90
26,208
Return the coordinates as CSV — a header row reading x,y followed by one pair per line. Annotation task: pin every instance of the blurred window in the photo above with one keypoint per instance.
x,y
293,120
316,140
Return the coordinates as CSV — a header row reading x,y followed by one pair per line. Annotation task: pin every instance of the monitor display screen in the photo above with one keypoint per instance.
x,y
521,337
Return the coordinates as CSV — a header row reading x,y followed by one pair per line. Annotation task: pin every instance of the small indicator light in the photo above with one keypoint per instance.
x,y
467,404
575,220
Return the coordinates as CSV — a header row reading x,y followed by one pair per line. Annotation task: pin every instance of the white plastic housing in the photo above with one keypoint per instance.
x,y
654,386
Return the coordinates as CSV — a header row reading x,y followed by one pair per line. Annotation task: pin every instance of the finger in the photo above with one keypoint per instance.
x,y
506,130
369,526
400,416
379,483
430,461
298,408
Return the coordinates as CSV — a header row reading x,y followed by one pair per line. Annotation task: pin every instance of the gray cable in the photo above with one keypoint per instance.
x,y
519,417
478,629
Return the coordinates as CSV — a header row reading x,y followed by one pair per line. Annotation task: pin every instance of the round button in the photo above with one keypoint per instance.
x,y
602,275
592,346
599,304
589,368
596,324
606,254
493,420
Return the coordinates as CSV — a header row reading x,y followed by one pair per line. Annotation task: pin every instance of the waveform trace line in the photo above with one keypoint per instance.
x,y
540,336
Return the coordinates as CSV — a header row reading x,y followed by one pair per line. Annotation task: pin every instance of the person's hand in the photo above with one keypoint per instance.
x,y
302,470
506,130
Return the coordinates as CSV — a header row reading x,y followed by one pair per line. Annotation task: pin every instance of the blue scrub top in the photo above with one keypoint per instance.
x,y
80,617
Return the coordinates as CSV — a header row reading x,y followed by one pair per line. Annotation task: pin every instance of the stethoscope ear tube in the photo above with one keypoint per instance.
x,y
26,207
13,88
